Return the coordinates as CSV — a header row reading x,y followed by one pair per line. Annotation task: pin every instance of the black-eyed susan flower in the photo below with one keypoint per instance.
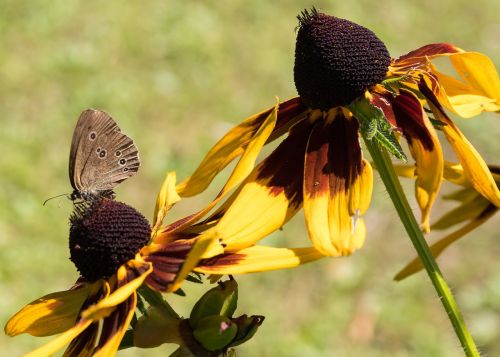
x,y
92,316
472,211
347,84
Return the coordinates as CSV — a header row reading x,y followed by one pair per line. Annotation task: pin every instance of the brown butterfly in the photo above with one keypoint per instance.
x,y
101,156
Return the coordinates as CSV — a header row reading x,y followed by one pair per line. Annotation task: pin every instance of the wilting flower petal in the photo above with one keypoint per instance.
x,y
49,315
473,208
437,248
475,169
425,148
232,145
130,277
256,259
337,189
166,198
270,196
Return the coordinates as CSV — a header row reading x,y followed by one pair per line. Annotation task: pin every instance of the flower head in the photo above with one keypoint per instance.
x,y
104,236
105,239
336,60
348,87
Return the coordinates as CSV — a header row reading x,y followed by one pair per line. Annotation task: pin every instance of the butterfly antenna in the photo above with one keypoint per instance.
x,y
48,199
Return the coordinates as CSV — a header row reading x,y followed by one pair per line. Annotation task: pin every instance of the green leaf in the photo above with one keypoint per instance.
x,y
375,127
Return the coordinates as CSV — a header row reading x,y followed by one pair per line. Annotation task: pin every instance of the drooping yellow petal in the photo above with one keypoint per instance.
x,y
167,259
132,274
473,206
337,186
49,315
452,172
83,345
462,99
244,166
232,145
199,248
477,90
480,74
269,197
166,198
425,149
407,171
258,259
60,341
114,327
437,248
475,169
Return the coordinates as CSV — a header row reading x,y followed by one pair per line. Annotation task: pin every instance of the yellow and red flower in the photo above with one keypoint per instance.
x,y
347,85
94,314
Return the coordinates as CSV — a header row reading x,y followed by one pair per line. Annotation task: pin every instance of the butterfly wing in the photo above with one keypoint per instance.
x,y
101,156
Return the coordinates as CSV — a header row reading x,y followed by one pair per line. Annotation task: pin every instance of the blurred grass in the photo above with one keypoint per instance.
x,y
176,75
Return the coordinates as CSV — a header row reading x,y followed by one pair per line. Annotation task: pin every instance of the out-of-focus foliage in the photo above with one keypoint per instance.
x,y
176,75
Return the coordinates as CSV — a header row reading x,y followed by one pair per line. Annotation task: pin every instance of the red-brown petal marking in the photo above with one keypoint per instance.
x,y
84,342
167,261
333,158
419,55
221,260
289,113
383,102
283,170
116,321
409,117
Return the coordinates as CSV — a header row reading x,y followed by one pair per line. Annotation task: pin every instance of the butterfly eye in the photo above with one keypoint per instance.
x,y
122,162
98,150
92,136
102,154
118,153
125,169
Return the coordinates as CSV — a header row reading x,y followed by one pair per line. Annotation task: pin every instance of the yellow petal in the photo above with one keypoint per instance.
x,y
60,341
269,197
425,149
232,145
437,248
114,328
139,270
167,197
337,186
83,345
49,315
407,171
469,209
479,72
258,259
199,248
475,169
461,98
256,213
244,166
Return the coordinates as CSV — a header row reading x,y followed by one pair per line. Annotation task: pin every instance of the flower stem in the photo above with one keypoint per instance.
x,y
393,186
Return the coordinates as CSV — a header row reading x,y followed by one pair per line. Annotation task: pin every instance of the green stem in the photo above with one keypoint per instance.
x,y
393,186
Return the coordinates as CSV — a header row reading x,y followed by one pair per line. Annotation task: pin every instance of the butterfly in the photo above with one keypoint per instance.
x,y
101,156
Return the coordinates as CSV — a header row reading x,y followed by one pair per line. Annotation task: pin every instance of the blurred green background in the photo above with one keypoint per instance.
x,y
176,75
